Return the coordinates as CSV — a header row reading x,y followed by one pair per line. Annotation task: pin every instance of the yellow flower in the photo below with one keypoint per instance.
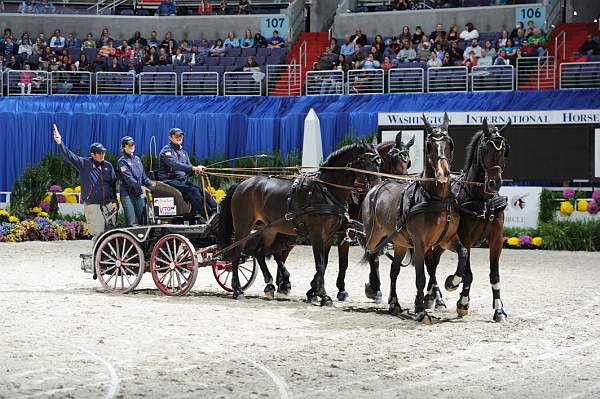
x,y
35,209
582,205
70,199
566,208
13,219
77,189
43,214
47,198
221,192
513,241
537,241
68,190
3,212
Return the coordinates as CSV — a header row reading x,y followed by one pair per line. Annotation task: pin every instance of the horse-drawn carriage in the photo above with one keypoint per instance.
x,y
172,245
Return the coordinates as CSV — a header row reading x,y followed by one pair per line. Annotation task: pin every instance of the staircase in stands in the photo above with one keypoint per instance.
x,y
304,53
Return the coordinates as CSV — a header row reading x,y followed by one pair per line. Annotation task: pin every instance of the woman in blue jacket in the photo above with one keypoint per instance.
x,y
134,182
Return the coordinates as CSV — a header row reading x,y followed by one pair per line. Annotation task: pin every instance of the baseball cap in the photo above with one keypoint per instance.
x,y
175,130
127,140
97,148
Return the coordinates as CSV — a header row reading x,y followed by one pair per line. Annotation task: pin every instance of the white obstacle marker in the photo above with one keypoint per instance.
x,y
312,147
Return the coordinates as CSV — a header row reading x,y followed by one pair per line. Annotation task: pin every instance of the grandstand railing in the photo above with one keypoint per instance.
x,y
493,78
40,85
560,45
115,83
70,82
157,83
536,73
324,83
579,75
441,79
365,81
284,80
406,80
199,84
243,83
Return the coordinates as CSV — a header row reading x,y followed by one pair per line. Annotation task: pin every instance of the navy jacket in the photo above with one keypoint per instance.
x,y
98,180
132,175
175,163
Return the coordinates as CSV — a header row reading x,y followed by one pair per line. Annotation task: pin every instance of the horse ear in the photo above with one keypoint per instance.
x,y
428,127
374,141
399,139
486,128
505,128
411,142
446,122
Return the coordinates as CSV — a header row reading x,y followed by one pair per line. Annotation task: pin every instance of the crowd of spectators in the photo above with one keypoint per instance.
x,y
55,53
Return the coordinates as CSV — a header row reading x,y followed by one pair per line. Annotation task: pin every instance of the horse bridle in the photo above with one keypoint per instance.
x,y
359,163
397,153
435,136
499,143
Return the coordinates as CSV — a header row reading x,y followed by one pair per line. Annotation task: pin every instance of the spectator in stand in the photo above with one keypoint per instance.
x,y
348,47
424,50
370,62
231,41
99,64
407,53
165,43
223,8
204,49
137,55
536,43
502,58
9,47
25,39
48,60
72,41
394,47
359,38
469,33
439,51
39,47
251,65
13,63
473,47
515,32
151,57
439,31
520,39
486,59
217,49
530,28
489,49
387,64
25,80
26,7
358,55
447,61
104,38
108,50
25,48
178,59
45,7
167,7
375,53
205,8
193,58
57,43
417,36
185,46
65,58
124,50
278,42
333,47
503,38
244,7
589,47
137,38
248,40
163,57
434,61
82,64
115,66
471,61
400,5
89,41
453,35
379,44
341,64
171,47
153,41
405,34
260,41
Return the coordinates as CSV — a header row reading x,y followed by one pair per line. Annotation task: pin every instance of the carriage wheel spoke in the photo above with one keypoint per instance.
x,y
243,274
246,269
130,264
178,279
163,261
129,270
125,253
116,279
110,268
112,249
107,255
167,256
164,276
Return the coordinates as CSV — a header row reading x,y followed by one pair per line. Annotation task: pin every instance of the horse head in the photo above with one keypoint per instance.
x,y
439,148
492,152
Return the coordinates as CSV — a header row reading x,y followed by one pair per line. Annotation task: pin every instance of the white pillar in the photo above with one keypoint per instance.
x,y
312,147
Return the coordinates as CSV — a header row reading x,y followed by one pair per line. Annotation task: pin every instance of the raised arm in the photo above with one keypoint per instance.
x,y
67,154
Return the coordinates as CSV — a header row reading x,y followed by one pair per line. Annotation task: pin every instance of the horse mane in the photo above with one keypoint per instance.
x,y
345,151
383,144
472,150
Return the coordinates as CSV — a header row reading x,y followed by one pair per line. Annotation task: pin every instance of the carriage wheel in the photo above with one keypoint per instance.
x,y
223,273
174,265
119,263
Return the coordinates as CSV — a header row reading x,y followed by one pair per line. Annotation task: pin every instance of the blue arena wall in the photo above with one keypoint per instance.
x,y
230,126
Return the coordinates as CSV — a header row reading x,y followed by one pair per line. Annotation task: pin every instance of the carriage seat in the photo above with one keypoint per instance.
x,y
162,193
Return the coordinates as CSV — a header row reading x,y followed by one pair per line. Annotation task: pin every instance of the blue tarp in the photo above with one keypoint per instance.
x,y
230,126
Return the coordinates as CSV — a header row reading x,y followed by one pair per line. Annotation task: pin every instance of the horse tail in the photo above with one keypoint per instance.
x,y
226,229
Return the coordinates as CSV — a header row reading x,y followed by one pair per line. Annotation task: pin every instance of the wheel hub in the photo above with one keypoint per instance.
x,y
172,265
118,264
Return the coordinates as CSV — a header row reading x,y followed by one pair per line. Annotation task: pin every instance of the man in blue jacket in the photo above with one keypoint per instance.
x,y
134,182
98,184
175,167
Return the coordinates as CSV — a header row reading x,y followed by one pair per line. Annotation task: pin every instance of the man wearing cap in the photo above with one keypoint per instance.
x,y
98,184
175,167
134,182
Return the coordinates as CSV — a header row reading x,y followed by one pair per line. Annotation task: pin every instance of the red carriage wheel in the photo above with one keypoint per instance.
x,y
223,274
174,265
119,263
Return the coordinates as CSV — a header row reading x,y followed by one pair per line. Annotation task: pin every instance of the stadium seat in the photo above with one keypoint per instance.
x,y
247,52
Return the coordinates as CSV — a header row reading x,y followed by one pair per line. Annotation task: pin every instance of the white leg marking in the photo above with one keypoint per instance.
x,y
496,286
456,280
497,304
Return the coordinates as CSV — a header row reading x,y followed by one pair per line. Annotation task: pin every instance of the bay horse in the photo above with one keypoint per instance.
x,y
395,156
311,207
482,216
418,215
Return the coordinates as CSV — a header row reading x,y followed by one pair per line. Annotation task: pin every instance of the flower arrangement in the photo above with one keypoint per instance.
x,y
568,193
523,241
572,203
537,242
592,207
566,208
218,195
582,206
40,228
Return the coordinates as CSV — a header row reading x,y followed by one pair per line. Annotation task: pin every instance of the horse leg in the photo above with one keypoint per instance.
x,y
373,287
453,280
495,250
235,280
393,303
343,249
283,276
269,288
421,314
434,294
321,254
462,306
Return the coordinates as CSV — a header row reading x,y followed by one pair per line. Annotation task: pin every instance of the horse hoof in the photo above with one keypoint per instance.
x,y
462,310
440,305
284,289
395,309
239,297
326,301
428,300
424,317
372,294
342,296
449,284
270,294
500,316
